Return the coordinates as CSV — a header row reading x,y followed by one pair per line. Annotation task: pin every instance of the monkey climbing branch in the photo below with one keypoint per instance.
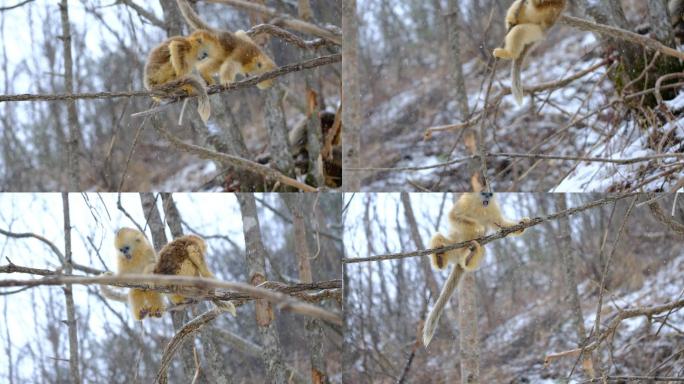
x,y
499,235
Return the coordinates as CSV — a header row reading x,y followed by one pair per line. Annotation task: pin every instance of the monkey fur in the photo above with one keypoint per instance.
x,y
135,255
469,218
185,256
526,22
235,53
169,67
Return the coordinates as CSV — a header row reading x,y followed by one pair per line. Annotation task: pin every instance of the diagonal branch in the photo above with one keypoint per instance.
x,y
236,161
499,235
284,19
621,34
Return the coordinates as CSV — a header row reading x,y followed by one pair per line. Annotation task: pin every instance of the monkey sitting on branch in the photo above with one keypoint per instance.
x,y
185,256
526,22
470,218
236,53
135,255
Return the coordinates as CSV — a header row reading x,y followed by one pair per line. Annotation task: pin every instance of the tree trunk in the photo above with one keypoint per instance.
x,y
351,98
255,253
569,272
73,146
298,204
178,318
68,295
454,38
468,325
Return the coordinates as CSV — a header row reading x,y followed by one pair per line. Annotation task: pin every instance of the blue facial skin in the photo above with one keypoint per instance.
x,y
126,251
486,196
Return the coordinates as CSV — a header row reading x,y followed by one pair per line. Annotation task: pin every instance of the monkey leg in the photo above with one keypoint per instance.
x,y
472,256
177,299
136,300
517,39
154,303
439,260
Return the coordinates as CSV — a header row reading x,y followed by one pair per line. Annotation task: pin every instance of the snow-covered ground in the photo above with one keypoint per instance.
x,y
554,123
628,343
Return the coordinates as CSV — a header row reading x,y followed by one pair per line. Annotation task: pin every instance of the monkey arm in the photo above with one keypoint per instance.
x,y
180,57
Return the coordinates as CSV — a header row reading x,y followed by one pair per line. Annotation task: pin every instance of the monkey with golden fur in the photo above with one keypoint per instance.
x,y
526,22
169,67
236,54
135,255
469,218
185,256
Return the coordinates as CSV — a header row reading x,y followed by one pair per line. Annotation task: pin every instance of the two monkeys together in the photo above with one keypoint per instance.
x,y
208,51
183,256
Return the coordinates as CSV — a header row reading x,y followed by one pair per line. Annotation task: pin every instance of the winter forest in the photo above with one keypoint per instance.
x,y
600,111
114,348
342,191
604,279
255,139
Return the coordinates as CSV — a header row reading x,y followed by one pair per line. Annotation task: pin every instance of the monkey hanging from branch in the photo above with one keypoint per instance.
x,y
469,218
527,22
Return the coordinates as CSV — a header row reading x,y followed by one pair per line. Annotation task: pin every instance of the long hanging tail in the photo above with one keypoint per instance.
x,y
516,80
196,82
436,312
192,17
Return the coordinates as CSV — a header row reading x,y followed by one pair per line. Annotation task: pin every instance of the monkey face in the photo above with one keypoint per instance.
x,y
260,63
126,240
485,197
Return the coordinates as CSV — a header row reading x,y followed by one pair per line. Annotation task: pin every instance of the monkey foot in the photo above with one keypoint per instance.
x,y
502,54
157,313
439,260
143,313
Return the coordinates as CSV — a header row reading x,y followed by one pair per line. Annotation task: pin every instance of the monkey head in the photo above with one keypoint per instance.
x,y
127,240
486,197
254,61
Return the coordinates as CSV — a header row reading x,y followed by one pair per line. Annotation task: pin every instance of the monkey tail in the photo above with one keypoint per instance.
x,y
436,312
516,78
204,106
516,82
191,17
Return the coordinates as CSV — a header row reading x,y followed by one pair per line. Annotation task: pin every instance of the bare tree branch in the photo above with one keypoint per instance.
x,y
499,235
